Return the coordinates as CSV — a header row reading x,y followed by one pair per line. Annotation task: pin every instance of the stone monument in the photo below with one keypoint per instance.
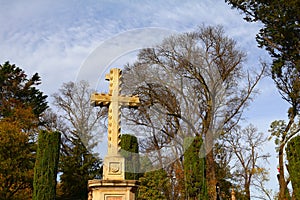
x,y
113,186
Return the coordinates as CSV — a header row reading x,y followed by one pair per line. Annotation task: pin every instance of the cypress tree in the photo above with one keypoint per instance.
x,y
293,156
46,164
130,150
194,169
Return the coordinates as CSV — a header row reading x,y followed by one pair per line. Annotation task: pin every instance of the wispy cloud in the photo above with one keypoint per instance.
x,y
51,36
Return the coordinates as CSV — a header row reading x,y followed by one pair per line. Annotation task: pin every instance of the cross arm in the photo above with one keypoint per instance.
x,y
131,101
102,100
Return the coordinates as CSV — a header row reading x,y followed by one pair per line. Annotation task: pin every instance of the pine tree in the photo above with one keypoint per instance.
x,y
17,89
77,165
280,37
46,164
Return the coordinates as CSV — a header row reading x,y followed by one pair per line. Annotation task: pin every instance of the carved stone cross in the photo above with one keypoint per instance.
x,y
114,101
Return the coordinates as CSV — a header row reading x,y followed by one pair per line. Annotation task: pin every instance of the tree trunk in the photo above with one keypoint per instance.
x,y
247,190
283,192
210,175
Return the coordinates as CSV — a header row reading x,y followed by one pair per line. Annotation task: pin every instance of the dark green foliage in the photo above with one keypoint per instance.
x,y
130,150
77,165
293,156
154,185
194,169
46,164
280,36
16,89
225,186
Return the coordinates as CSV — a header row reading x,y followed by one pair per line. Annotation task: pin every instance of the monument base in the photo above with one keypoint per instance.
x,y
114,167
112,189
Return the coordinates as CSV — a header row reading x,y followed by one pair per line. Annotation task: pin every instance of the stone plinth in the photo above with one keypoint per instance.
x,y
112,189
114,168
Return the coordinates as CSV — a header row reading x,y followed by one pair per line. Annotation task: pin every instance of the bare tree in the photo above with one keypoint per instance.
x,y
249,158
206,90
80,118
80,127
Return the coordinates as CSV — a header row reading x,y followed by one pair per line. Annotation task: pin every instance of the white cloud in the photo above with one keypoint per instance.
x,y
54,38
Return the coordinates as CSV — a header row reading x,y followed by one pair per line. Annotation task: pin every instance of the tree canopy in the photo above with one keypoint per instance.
x,y
17,155
280,36
21,105
16,89
192,84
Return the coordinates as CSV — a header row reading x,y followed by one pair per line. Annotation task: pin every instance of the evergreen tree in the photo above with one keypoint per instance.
x,y
194,169
224,186
21,105
293,156
154,185
280,36
130,150
45,170
17,89
77,165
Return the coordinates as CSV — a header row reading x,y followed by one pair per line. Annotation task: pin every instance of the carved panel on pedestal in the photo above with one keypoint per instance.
x,y
115,168
114,197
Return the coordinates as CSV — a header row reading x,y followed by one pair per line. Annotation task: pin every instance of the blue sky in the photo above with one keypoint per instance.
x,y
54,38
47,36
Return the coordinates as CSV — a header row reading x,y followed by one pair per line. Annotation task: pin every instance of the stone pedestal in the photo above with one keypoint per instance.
x,y
112,189
114,167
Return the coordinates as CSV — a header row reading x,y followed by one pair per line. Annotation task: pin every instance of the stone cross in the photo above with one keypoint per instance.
x,y
114,101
